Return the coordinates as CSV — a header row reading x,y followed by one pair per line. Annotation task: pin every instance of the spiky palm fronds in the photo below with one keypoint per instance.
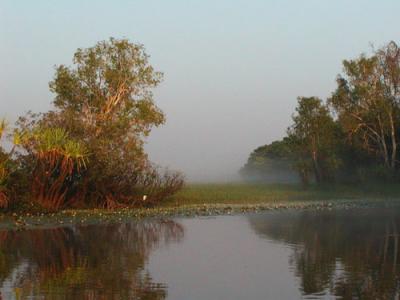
x,y
52,144
77,152
59,158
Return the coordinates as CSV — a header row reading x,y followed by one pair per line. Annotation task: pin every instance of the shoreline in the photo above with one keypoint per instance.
x,y
104,217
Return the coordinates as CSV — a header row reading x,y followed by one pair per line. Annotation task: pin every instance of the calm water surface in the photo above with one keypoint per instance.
x,y
342,254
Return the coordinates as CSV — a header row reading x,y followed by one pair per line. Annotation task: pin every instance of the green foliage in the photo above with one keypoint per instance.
x,y
367,102
109,85
275,159
314,137
311,147
56,163
89,151
105,101
257,193
358,138
43,141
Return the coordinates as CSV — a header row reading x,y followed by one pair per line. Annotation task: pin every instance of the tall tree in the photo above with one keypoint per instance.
x,y
313,138
367,101
105,102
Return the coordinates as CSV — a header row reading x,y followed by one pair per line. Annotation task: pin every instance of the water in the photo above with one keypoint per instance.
x,y
342,254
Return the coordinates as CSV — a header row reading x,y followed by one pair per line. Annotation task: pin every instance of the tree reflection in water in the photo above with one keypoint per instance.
x,y
351,254
87,262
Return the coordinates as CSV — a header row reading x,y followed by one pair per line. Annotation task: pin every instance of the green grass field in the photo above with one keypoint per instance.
x,y
242,193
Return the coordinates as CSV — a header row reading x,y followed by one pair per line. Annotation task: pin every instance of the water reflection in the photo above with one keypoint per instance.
x,y
349,254
91,262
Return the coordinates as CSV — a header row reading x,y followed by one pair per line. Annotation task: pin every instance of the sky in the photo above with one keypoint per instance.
x,y
233,69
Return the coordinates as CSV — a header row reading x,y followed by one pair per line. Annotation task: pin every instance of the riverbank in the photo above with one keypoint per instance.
x,y
220,199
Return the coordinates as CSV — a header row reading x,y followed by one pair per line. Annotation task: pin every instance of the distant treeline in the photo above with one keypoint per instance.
x,y
353,136
88,151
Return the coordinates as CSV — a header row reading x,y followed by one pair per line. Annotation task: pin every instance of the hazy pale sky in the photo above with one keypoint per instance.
x,y
233,68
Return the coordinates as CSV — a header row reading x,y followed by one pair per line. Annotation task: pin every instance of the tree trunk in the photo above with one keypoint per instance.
x,y
316,167
394,142
382,140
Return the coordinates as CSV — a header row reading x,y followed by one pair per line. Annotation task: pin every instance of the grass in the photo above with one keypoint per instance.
x,y
218,199
244,193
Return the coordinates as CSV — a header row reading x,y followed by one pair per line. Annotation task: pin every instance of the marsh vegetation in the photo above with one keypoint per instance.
x,y
88,151
256,193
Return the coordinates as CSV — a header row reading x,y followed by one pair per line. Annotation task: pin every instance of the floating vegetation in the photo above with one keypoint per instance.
x,y
124,215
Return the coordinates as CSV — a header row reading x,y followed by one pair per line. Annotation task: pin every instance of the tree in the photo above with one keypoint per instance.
x,y
104,101
313,139
271,162
367,102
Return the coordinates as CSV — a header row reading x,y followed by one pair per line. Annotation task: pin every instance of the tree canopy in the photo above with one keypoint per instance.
x,y
367,101
89,150
356,130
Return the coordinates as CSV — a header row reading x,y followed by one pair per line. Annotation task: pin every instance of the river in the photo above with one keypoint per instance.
x,y
293,254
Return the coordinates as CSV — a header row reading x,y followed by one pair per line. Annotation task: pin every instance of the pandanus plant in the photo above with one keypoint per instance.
x,y
58,160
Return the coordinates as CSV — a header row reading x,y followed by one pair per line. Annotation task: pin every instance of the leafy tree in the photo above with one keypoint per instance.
x,y
271,162
105,102
313,139
362,139
367,102
311,147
